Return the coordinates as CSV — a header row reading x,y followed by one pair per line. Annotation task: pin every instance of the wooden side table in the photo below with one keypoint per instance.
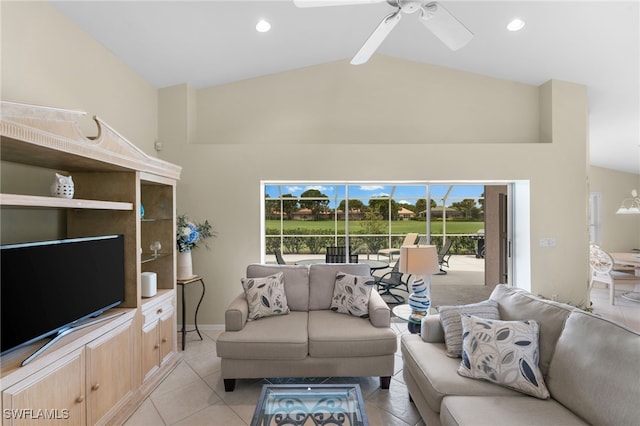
x,y
184,331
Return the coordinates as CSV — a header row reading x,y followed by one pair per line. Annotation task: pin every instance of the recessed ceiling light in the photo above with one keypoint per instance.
x,y
516,24
263,26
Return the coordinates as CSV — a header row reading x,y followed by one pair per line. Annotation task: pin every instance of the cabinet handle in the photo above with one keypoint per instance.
x,y
156,346
159,311
164,340
95,387
80,399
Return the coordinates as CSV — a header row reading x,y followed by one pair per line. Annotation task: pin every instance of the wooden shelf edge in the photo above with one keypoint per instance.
x,y
20,200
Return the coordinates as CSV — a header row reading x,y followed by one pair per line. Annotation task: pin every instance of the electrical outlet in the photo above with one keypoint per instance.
x,y
547,242
158,145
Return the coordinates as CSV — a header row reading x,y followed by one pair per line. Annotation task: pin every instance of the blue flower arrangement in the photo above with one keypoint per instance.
x,y
189,234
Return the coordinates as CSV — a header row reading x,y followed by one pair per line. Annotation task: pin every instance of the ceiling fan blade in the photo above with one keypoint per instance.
x,y
321,3
445,26
376,38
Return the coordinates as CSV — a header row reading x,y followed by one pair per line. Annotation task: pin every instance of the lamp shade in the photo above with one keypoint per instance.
x,y
418,260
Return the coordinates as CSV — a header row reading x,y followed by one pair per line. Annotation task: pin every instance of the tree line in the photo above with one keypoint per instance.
x,y
378,208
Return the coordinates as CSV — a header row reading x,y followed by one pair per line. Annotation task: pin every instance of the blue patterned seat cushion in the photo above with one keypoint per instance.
x,y
502,352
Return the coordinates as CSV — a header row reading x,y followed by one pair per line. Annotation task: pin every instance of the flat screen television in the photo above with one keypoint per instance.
x,y
49,287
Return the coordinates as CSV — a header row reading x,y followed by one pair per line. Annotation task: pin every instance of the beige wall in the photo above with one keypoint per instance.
x,y
47,60
221,181
387,101
238,138
618,232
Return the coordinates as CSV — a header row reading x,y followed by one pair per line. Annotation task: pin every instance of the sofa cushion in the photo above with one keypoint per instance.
x,y
504,411
503,352
281,337
296,282
517,304
334,335
435,373
265,296
322,279
597,361
351,294
452,325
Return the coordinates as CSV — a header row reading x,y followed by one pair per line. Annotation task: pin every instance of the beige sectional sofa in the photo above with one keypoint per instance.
x,y
311,340
591,367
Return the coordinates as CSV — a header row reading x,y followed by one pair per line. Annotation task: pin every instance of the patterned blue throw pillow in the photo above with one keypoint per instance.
x,y
502,352
351,294
266,296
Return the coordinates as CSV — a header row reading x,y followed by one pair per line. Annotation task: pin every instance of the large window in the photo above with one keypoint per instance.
x,y
303,218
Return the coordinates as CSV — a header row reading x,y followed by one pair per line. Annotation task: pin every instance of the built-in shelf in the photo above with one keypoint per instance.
x,y
150,257
21,200
118,177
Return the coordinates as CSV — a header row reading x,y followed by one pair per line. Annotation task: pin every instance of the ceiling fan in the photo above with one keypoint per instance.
x,y
432,14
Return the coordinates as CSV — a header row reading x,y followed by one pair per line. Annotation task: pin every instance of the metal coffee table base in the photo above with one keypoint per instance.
x,y
314,405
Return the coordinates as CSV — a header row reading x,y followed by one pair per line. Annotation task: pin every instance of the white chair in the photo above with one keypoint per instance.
x,y
602,271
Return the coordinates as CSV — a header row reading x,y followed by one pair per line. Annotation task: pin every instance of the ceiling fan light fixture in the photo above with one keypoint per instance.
x,y
630,205
516,24
263,26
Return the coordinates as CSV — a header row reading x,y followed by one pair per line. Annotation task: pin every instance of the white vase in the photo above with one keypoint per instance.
x,y
185,265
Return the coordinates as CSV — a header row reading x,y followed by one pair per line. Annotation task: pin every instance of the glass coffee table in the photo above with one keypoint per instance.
x,y
404,312
312,405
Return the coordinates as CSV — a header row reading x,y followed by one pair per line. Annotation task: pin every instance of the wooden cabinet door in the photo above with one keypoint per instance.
x,y
52,396
167,329
150,350
110,372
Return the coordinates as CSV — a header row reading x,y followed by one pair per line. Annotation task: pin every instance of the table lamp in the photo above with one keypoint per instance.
x,y
421,262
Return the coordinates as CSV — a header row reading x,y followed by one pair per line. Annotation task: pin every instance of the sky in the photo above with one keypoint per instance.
x,y
402,193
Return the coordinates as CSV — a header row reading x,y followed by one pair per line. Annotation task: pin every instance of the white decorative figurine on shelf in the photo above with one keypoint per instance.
x,y
62,186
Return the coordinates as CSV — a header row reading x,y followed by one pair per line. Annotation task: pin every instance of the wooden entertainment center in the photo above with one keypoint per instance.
x,y
101,373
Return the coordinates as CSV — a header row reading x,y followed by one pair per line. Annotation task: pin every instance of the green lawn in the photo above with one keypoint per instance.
x,y
397,227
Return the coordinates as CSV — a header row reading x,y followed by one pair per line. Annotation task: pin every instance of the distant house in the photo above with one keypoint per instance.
x,y
302,214
307,214
354,214
437,212
405,214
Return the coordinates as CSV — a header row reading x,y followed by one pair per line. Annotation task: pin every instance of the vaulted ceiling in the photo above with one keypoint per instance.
x,y
208,43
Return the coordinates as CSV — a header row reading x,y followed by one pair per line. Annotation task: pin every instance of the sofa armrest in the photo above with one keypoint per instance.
x,y
431,329
379,312
235,317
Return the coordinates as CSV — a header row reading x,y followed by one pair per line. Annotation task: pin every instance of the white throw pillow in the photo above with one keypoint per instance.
x,y
266,296
452,325
503,352
351,294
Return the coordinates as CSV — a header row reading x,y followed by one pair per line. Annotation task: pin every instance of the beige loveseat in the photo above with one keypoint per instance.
x,y
591,367
310,340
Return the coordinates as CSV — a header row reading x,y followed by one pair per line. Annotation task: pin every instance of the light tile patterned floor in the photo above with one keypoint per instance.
x,y
193,394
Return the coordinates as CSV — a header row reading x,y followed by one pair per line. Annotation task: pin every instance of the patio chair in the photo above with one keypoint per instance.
x,y
279,257
338,254
444,255
390,281
409,239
